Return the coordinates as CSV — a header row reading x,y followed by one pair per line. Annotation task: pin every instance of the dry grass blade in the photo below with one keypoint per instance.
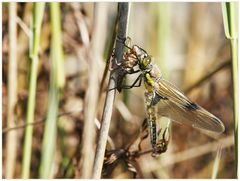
x,y
217,162
91,100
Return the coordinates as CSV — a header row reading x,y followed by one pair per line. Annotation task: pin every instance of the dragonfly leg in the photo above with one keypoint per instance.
x,y
134,84
139,79
118,65
114,69
132,71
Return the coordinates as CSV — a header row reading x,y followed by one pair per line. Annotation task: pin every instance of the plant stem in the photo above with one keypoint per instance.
x,y
38,11
91,98
123,9
109,55
234,48
56,83
12,138
230,20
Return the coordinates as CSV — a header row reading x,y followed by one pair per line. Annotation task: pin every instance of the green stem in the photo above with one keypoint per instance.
x,y
38,11
56,83
230,21
234,49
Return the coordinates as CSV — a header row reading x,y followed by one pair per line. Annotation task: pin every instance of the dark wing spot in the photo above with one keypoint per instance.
x,y
191,106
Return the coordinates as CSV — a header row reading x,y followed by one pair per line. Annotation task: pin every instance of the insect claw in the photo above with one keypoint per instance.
x,y
112,69
118,64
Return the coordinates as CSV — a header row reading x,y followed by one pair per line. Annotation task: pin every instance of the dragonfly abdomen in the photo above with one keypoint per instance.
x,y
153,132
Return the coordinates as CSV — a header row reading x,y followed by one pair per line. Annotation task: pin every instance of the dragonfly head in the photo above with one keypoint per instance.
x,y
145,63
145,60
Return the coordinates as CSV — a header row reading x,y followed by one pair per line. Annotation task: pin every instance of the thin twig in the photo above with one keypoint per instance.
x,y
24,27
42,120
123,9
5,130
208,75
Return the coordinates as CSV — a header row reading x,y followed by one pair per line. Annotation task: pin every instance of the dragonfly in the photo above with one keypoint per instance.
x,y
164,99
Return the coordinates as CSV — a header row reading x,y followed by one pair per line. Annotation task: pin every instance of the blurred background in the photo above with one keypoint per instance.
x,y
187,41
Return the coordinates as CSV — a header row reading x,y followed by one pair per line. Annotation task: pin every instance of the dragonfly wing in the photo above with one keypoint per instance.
x,y
175,105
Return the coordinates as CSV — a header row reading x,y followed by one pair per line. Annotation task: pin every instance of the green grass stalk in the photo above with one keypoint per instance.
x,y
56,83
38,10
234,49
230,20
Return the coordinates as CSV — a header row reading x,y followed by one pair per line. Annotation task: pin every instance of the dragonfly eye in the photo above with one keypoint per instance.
x,y
145,63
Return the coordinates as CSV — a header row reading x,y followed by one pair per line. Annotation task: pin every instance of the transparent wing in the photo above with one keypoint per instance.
x,y
176,106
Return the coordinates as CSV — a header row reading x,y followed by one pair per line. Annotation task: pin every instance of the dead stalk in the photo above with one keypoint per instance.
x,y
12,138
123,10
91,100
